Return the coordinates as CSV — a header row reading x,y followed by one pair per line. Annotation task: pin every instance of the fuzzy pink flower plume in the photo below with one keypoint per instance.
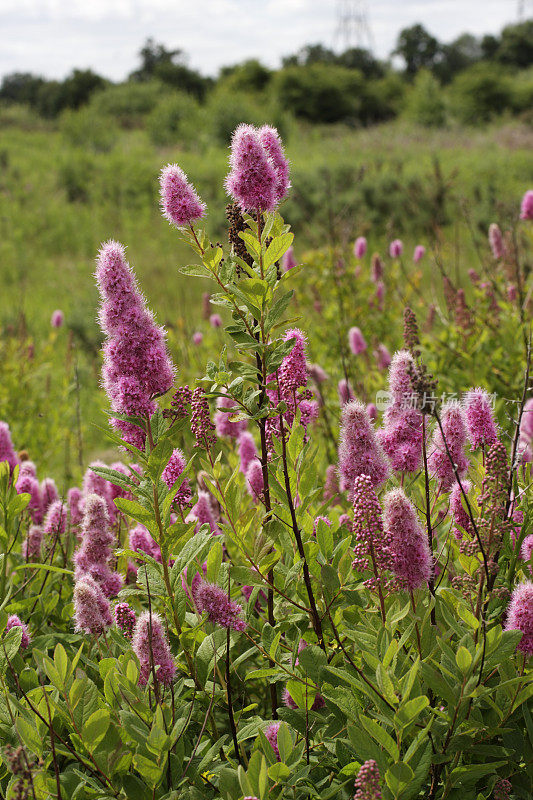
x,y
367,783
419,253
171,474
526,209
520,615
360,247
179,202
496,241
7,451
271,733
55,522
453,444
372,549
203,512
525,441
253,180
225,427
288,260
32,544
271,141
401,435
247,450
356,340
125,619
409,549
150,645
360,452
92,612
396,248
57,319
28,484
480,423
220,610
137,366
93,556
15,622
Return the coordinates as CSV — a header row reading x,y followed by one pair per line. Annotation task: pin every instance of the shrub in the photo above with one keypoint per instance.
x,y
319,92
425,102
481,93
129,103
174,119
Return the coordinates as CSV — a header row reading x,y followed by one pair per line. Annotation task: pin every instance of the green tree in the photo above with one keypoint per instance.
x,y
417,47
516,45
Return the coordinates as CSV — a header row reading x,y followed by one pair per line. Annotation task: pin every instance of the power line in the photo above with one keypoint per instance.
x,y
353,29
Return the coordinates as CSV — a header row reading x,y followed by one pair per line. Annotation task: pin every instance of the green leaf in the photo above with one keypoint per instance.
x,y
95,728
313,660
279,772
380,735
410,710
214,561
398,776
277,247
463,659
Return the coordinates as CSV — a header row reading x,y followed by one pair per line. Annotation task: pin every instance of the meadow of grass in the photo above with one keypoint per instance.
x,y
65,189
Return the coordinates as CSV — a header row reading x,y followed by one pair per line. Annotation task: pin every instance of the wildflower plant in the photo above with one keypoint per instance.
x,y
308,605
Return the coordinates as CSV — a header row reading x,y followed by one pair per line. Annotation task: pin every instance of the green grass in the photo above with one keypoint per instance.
x,y
59,201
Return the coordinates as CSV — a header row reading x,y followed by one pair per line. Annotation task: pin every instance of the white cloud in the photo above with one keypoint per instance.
x,y
53,36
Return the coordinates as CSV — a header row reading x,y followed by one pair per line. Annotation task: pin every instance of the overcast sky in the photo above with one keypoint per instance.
x,y
50,37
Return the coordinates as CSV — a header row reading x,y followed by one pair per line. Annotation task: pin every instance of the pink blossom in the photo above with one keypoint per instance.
x,y
526,209
176,464
254,479
223,422
57,319
454,427
293,370
409,548
383,357
396,248
376,269
401,435
480,423
461,517
220,610
270,139
271,733
525,439
367,783
55,522
360,452
7,452
253,180
197,338
74,501
512,292
137,366
419,253
496,241
179,202
288,261
526,551
317,374
356,341
215,320
15,622
372,411
28,484
360,246
203,512
520,612
141,542
32,544
150,645
345,391
92,612
94,554
331,485
318,701
49,493
247,450
125,619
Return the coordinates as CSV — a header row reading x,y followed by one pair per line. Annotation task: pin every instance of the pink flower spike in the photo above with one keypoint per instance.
x,y
254,479
526,209
197,338
7,452
367,783
271,733
247,450
409,549
345,391
15,622
253,180
360,246
150,645
360,452
92,612
57,319
496,241
220,610
179,202
480,423
215,320
420,252
356,341
454,427
270,139
223,422
520,614
176,464
288,261
396,248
